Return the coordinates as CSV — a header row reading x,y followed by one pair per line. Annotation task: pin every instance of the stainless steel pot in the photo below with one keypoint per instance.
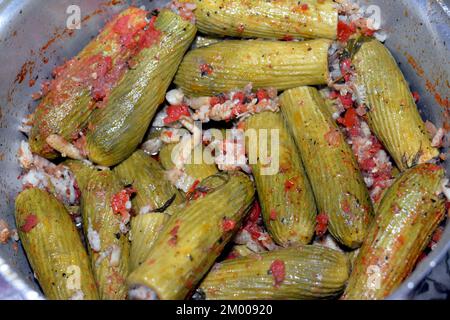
x,y
34,39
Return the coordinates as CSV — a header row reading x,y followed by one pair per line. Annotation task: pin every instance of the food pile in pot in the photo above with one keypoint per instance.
x,y
230,150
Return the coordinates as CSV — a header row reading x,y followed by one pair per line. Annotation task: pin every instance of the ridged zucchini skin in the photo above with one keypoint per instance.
x,y
267,19
408,214
68,115
311,272
81,171
145,229
153,191
146,175
197,171
287,201
193,238
98,213
121,125
337,183
53,247
236,63
393,115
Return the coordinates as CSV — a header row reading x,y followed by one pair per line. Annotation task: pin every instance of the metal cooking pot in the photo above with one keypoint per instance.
x,y
34,39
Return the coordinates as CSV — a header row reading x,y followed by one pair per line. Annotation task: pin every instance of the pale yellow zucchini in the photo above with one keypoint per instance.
x,y
281,19
53,247
338,185
119,127
405,220
392,113
153,195
108,245
286,198
232,64
192,240
299,273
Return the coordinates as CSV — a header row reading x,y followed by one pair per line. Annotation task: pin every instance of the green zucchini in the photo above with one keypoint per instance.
x,y
299,273
286,198
392,113
337,183
405,220
53,247
66,109
281,19
108,245
121,125
233,64
192,240
153,194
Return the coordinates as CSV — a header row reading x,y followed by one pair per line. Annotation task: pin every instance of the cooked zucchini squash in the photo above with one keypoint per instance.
x,y
53,247
405,220
299,273
281,19
392,113
121,124
108,245
192,240
286,198
153,195
66,108
337,183
232,64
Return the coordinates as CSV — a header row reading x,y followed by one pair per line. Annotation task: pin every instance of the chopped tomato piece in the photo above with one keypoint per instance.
x,y
232,255
239,96
174,113
416,96
434,167
345,206
255,212
122,25
437,235
119,201
228,225
214,101
333,137
300,8
350,119
334,94
174,231
30,222
278,271
346,100
194,186
345,31
322,224
150,36
262,94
